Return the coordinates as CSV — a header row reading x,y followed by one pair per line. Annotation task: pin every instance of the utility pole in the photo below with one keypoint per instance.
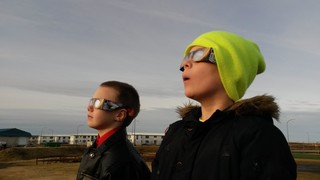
x,y
77,137
288,129
40,141
134,132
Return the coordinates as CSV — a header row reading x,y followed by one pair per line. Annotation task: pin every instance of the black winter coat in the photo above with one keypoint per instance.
x,y
240,143
115,159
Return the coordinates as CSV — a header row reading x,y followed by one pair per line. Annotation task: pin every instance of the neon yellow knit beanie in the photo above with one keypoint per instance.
x,y
239,60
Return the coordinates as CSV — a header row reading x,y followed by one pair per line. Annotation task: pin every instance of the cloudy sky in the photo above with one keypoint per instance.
x,y
54,54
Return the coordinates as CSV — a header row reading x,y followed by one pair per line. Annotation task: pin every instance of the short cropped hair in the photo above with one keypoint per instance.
x,y
127,95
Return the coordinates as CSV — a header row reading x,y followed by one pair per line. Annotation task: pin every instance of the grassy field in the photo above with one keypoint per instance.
x,y
28,169
23,165
306,156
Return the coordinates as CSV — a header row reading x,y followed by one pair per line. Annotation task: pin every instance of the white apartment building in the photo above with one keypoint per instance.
x,y
136,138
65,139
146,138
87,139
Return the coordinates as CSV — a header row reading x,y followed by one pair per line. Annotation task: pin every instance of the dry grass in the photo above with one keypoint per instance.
x,y
308,176
27,169
14,170
23,153
20,163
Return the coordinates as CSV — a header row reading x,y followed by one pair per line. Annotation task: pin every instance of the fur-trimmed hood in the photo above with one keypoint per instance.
x,y
258,105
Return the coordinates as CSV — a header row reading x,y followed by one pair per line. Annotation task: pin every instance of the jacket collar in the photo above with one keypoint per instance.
x,y
118,136
258,105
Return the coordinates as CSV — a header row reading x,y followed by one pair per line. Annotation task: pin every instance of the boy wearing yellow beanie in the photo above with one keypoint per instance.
x,y
226,137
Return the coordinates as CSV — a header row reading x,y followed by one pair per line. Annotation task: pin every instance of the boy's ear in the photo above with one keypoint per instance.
x,y
121,115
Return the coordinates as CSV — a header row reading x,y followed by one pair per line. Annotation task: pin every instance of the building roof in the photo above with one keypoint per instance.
x,y
14,132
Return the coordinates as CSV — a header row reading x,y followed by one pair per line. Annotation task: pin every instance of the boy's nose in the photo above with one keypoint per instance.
x,y
90,108
186,64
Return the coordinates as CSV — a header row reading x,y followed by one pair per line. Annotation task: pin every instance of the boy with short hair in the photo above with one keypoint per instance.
x,y
111,109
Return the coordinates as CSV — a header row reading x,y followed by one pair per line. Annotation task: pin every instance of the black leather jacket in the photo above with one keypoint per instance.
x,y
240,143
115,159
